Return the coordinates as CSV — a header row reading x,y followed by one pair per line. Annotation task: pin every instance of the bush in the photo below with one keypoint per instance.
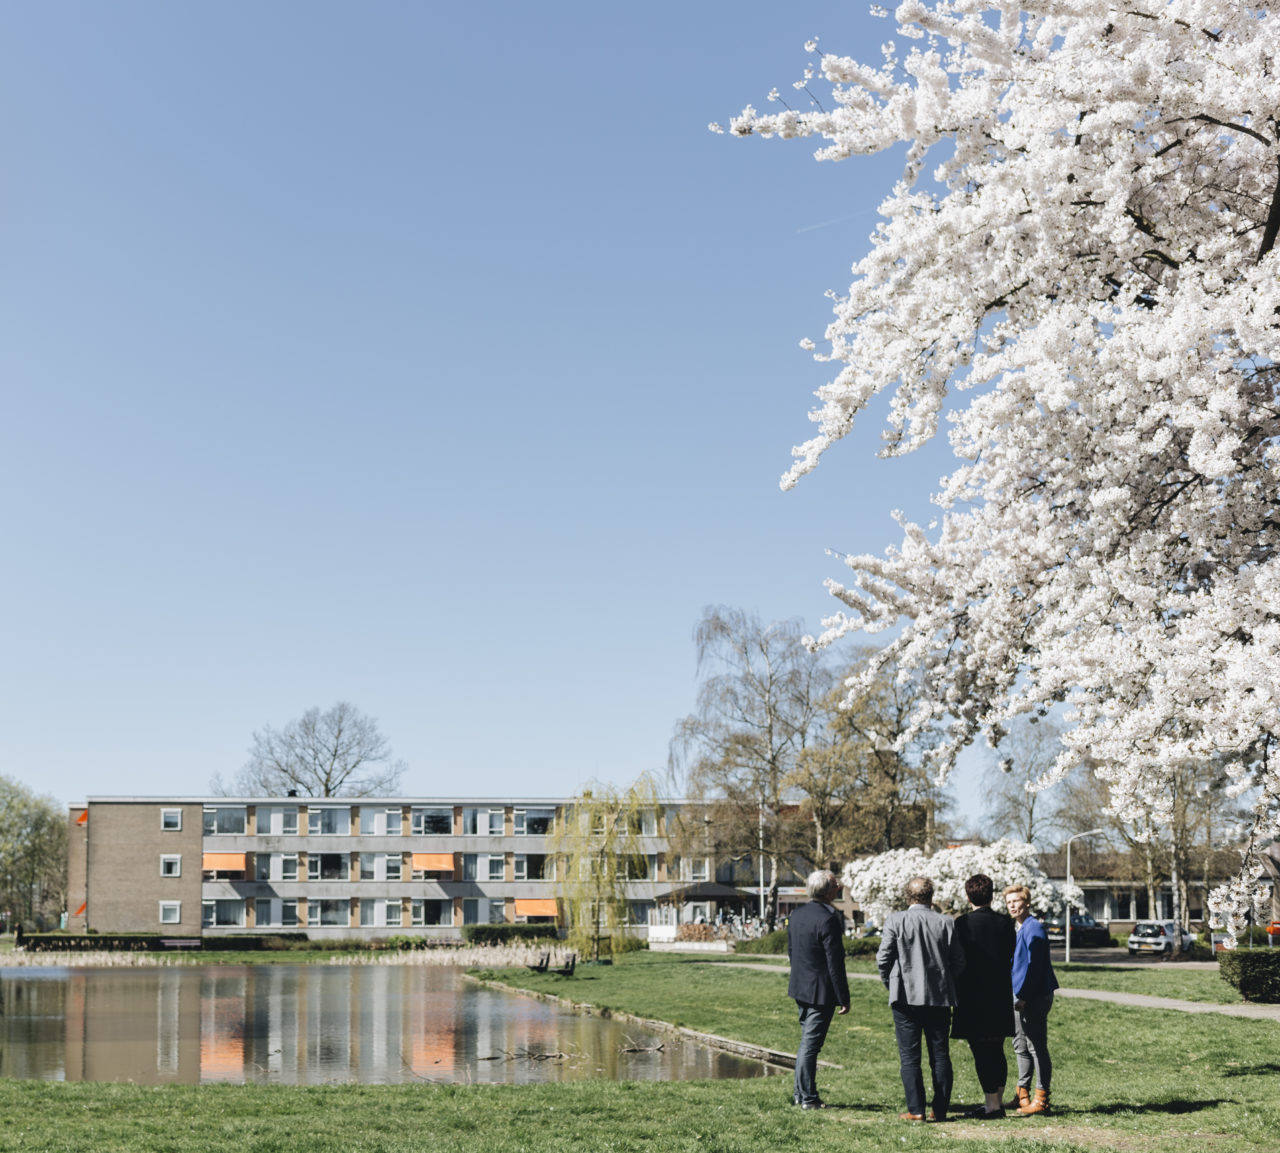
x,y
700,932
1254,972
775,942
861,946
503,934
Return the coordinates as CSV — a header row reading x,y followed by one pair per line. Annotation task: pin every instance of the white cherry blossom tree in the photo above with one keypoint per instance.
x,y
879,883
1078,262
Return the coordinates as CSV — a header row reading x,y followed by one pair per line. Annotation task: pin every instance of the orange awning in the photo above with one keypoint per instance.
x,y
536,907
224,862
433,862
83,818
80,911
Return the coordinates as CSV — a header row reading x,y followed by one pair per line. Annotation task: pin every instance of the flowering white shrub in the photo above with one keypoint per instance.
x,y
1080,258
879,883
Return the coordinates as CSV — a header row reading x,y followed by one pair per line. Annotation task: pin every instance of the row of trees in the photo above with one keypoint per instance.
x,y
798,771
790,770
33,856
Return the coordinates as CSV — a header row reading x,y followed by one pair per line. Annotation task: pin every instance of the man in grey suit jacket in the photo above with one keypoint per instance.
x,y
919,959
818,985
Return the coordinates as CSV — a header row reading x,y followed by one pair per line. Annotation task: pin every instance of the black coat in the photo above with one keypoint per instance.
x,y
984,989
815,944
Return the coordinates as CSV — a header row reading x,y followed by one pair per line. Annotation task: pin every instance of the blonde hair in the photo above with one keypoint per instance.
x,y
1021,890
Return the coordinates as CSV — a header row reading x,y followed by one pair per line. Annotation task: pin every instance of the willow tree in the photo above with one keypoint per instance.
x,y
603,860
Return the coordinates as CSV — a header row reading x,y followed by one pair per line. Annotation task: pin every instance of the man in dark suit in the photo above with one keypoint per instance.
x,y
984,1012
919,961
818,985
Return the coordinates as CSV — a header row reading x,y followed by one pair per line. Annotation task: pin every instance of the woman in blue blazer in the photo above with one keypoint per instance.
x,y
1033,986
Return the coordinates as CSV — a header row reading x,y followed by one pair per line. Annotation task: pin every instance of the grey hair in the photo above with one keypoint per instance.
x,y
819,881
920,891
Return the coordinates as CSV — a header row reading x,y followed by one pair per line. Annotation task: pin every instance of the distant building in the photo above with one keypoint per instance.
x,y
348,867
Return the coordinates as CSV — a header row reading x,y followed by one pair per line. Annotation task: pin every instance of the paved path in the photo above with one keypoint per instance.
x,y
1142,1000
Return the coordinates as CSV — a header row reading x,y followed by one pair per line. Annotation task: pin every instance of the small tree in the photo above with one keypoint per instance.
x,y
340,752
33,853
601,853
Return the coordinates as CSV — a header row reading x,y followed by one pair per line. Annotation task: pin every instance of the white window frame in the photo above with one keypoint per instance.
x,y
171,906
519,867
395,821
500,872
289,817
393,867
166,815
174,859
498,817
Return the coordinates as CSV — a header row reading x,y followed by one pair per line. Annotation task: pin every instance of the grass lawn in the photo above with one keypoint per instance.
x,y
1125,1079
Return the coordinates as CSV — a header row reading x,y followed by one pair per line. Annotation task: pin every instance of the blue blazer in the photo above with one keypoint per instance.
x,y
1032,973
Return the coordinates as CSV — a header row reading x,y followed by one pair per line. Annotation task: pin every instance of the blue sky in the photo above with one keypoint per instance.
x,y
431,357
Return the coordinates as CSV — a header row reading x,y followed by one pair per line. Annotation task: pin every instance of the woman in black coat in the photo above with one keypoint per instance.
x,y
984,1013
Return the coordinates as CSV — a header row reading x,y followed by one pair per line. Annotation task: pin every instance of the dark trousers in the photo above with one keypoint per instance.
x,y
990,1062
1031,1042
814,1021
934,1021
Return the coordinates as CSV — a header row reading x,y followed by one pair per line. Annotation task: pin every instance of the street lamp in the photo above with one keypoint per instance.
x,y
1066,900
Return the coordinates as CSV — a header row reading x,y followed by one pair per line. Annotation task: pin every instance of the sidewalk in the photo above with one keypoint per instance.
x,y
1140,1000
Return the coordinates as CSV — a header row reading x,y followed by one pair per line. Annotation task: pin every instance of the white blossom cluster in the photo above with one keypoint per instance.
x,y
879,883
1079,264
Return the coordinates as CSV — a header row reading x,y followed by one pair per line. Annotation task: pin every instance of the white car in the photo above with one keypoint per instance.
x,y
1159,937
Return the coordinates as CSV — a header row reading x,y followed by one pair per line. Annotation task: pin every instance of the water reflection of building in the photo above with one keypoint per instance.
x,y
186,867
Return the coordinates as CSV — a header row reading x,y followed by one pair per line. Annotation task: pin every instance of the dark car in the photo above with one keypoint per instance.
x,y
1085,931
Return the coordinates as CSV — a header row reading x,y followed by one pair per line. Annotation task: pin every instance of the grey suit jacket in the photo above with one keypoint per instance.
x,y
919,957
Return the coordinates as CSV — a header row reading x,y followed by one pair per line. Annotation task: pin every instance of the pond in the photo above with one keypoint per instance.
x,y
316,1024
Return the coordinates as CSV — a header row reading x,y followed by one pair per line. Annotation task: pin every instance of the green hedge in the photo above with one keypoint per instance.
x,y
1254,972
776,942
507,934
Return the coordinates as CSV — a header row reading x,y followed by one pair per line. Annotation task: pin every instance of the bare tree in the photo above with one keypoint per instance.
x,y
1013,809
340,752
759,706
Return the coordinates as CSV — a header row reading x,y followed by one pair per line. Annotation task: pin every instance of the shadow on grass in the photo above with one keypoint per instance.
x,y
1172,1107
1252,1070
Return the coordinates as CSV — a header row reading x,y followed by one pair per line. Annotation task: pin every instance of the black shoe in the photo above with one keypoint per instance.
x,y
814,1104
981,1114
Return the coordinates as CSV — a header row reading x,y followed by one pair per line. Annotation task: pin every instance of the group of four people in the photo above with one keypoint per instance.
x,y
981,977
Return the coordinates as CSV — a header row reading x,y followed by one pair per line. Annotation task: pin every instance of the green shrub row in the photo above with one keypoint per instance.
x,y
507,934
1254,972
776,943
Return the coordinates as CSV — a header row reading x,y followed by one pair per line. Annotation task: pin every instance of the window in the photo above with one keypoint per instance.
x,y
229,913
262,867
431,912
468,872
392,913
393,823
170,912
366,867
367,911
534,867
223,821
471,909
288,913
329,822
698,869
288,866
496,826
497,912
368,821
533,822
289,822
325,911
171,820
470,822
497,868
431,822
171,866
393,867
327,867
262,912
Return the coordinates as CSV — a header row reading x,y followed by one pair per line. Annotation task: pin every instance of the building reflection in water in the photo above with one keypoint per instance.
x,y
313,1024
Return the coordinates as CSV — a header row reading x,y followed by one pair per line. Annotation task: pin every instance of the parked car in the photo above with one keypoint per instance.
x,y
1159,937
1085,931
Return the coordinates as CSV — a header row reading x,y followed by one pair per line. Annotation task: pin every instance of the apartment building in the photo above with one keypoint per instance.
x,y
344,867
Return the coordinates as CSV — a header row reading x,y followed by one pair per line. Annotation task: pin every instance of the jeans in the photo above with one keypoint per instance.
x,y
934,1021
1031,1042
814,1021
